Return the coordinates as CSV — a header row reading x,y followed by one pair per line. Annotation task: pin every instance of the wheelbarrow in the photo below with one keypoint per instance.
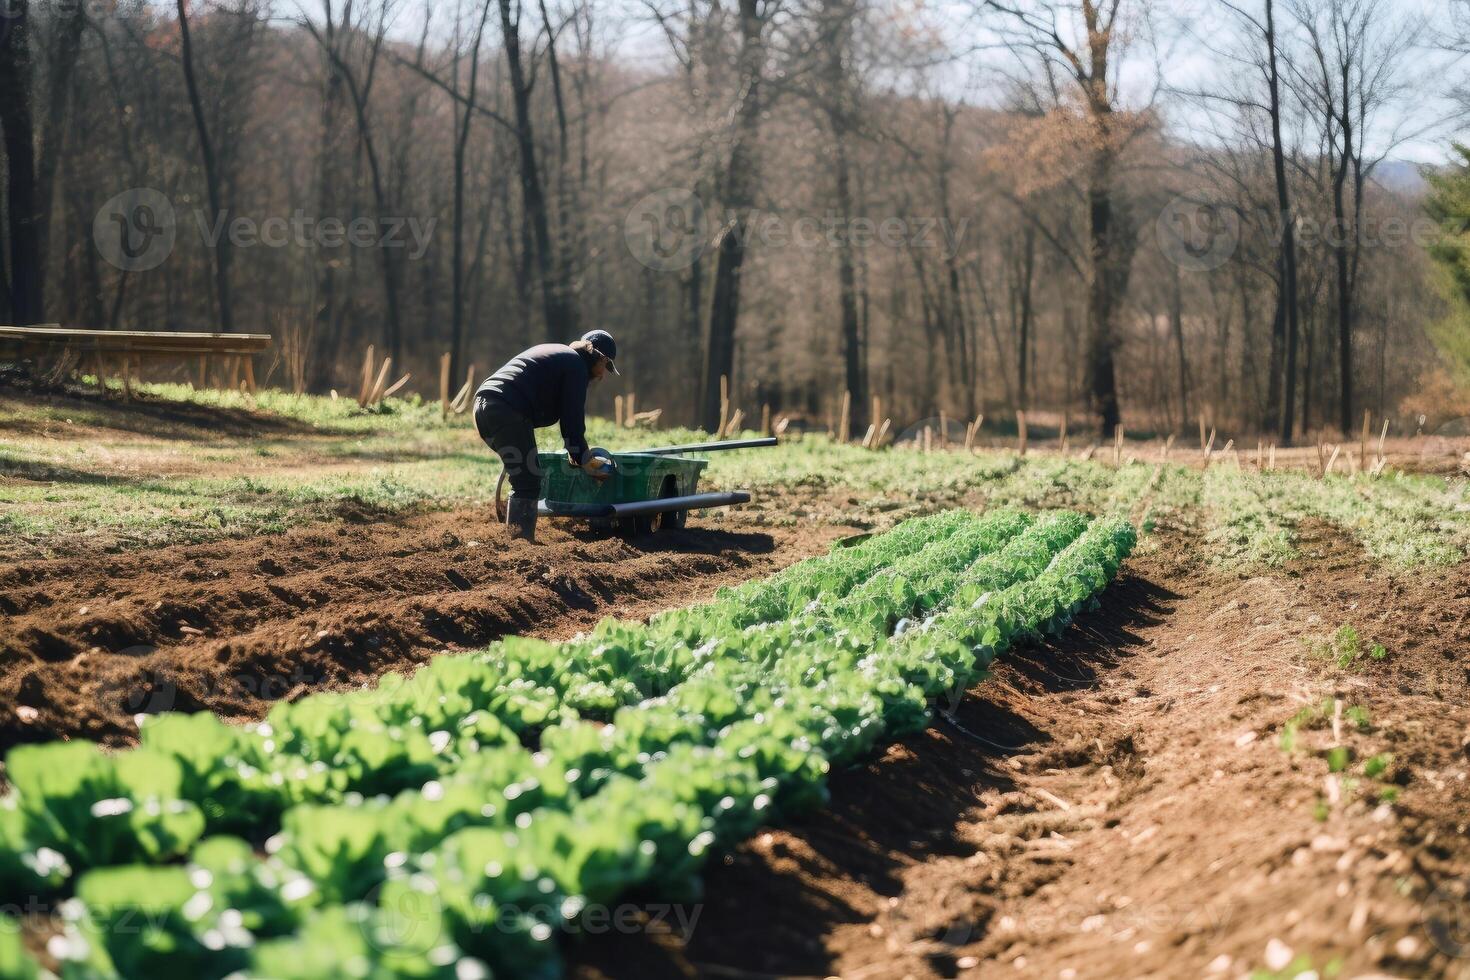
x,y
646,490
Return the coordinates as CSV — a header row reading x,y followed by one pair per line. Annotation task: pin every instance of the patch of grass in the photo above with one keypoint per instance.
x,y
1301,966
161,484
1345,648
1246,518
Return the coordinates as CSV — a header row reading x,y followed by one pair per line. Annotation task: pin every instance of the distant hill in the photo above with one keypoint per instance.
x,y
1402,177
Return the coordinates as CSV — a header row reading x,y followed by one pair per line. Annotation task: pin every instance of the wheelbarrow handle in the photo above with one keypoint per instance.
x,y
708,447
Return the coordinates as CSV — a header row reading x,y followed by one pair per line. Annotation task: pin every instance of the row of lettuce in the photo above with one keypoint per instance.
x,y
460,822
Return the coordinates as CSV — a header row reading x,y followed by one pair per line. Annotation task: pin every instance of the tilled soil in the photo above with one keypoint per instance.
x,y
1119,804
232,626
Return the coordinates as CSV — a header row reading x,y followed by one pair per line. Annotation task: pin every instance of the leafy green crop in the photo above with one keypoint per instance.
x,y
481,806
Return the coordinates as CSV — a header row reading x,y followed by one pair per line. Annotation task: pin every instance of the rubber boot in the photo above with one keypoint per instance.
x,y
520,518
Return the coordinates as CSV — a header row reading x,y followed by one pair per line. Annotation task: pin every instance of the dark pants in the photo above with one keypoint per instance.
x,y
513,438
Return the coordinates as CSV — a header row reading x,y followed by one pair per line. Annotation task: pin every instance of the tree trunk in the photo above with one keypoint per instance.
x,y
1176,324
1340,258
1103,280
53,138
26,268
461,145
1281,392
736,194
1027,276
852,348
560,318
221,247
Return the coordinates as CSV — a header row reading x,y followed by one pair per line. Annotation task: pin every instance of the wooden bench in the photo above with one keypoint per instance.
x,y
128,349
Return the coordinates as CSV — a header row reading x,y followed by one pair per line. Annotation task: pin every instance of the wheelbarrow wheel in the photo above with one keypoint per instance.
x,y
671,520
500,505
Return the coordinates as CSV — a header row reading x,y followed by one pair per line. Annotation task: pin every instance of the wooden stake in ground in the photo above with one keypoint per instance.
x,y
882,432
250,373
943,430
845,418
377,393
461,401
868,436
724,401
928,439
766,419
1202,433
1363,437
618,410
366,388
1064,434
735,421
630,407
395,386
1168,444
1118,444
877,410
1209,446
1271,457
1380,459
1021,432
1333,459
444,359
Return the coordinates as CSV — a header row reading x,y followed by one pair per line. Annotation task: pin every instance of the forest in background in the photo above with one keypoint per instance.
x,y
984,208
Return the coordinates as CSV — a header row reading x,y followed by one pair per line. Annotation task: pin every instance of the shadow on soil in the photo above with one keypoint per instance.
x,y
157,418
770,903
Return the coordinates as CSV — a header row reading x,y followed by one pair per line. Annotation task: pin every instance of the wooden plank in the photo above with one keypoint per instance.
x,y
250,374
115,340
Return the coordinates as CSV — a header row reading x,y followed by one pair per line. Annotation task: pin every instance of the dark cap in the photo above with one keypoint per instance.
x,y
603,343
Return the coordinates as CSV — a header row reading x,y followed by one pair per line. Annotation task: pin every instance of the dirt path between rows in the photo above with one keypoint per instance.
x,y
233,626
1118,804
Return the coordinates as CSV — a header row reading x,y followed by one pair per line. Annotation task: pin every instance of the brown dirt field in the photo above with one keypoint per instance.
x,y
1117,804
232,626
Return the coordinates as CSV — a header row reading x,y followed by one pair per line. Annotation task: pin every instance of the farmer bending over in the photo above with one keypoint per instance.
x,y
540,387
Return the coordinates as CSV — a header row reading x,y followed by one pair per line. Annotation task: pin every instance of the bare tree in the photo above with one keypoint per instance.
x,y
340,40
1087,61
736,191
1354,71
